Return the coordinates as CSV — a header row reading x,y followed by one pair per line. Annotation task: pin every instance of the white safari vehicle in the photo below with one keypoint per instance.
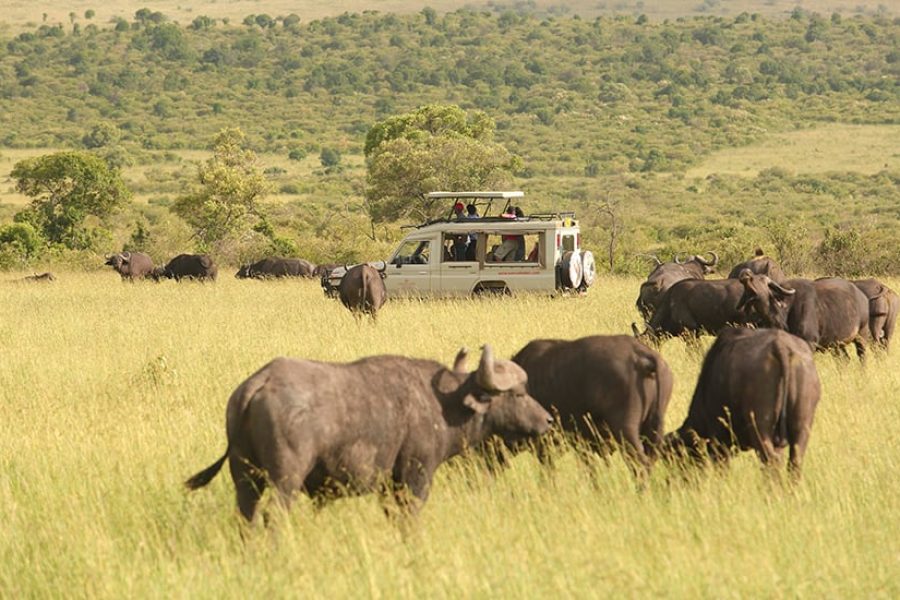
x,y
463,254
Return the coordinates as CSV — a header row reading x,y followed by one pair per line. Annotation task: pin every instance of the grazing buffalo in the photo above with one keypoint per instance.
x,y
759,265
39,278
131,265
188,266
362,290
276,267
695,306
758,389
884,305
326,428
324,269
613,386
827,313
665,275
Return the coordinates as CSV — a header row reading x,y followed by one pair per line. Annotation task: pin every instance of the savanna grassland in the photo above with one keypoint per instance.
x,y
115,393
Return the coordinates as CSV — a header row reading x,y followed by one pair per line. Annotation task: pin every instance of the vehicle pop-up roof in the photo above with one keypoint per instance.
x,y
485,199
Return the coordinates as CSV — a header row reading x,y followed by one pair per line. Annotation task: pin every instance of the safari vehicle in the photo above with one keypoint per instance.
x,y
460,255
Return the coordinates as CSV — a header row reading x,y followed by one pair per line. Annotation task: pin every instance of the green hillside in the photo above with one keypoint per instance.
x,y
613,105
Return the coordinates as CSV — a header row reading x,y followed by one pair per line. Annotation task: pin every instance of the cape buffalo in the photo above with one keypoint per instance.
x,y
131,265
665,275
277,267
884,305
758,389
188,266
327,428
759,265
695,306
827,313
362,290
608,385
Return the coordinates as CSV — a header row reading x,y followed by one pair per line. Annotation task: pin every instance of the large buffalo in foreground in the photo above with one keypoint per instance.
x,y
326,428
827,313
758,389
188,266
695,306
760,264
665,275
884,304
613,386
276,267
362,290
131,265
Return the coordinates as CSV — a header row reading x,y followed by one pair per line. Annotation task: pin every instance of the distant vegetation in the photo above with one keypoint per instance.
x,y
614,105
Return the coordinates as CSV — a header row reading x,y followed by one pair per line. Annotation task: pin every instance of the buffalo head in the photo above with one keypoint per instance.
x,y
503,400
243,272
767,299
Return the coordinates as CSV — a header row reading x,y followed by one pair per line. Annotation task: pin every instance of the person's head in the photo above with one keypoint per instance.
x,y
471,210
518,212
458,208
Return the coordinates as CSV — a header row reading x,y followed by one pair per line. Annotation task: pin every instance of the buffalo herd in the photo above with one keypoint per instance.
x,y
386,423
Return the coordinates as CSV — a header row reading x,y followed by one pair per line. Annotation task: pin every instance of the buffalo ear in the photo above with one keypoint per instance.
x,y
478,406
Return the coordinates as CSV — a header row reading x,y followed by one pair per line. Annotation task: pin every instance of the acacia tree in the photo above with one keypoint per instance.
x,y
435,147
230,186
66,188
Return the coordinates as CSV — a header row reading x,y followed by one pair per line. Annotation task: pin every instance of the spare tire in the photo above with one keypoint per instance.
x,y
571,270
588,269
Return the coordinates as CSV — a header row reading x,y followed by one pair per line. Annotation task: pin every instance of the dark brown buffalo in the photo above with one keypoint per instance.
x,y
759,265
327,428
362,290
665,275
613,386
758,389
39,278
324,269
827,313
188,266
276,267
696,306
131,266
884,304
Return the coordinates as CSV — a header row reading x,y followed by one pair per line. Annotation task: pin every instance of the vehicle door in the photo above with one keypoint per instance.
x,y
411,269
459,264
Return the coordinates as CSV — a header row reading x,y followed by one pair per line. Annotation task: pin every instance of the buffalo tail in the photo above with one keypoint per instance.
x,y
206,475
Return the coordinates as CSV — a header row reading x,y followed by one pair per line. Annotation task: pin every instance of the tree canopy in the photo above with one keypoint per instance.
x,y
229,187
66,188
432,148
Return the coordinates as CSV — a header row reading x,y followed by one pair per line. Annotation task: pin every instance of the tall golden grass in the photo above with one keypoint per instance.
x,y
114,393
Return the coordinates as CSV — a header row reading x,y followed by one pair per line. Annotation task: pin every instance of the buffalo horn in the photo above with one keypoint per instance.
x,y
459,363
715,259
678,260
497,376
783,290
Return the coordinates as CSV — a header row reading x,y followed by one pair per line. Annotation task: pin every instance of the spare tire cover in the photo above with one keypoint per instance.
x,y
588,269
571,269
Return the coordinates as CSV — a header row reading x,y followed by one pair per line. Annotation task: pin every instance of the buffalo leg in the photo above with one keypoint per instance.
x,y
249,485
860,344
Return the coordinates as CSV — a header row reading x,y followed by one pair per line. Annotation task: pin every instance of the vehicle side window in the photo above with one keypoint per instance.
x,y
518,248
413,252
458,247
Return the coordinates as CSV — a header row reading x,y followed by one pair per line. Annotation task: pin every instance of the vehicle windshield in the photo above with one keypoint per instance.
x,y
416,252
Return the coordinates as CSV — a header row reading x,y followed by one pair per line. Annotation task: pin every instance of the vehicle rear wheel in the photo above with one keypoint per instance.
x,y
493,290
572,271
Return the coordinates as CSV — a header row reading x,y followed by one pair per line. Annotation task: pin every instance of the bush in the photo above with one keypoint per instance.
x,y
20,243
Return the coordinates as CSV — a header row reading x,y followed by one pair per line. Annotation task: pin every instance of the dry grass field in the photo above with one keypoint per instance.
x,y
23,14
114,393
